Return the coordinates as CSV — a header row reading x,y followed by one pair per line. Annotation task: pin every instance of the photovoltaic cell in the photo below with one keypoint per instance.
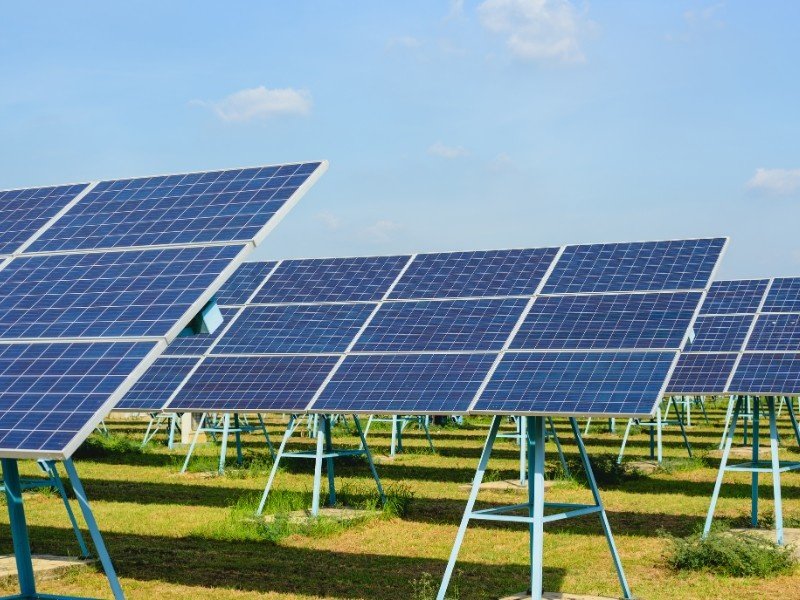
x,y
741,296
602,322
405,383
294,329
783,296
776,332
466,274
331,280
644,266
243,283
153,389
24,212
105,294
194,345
701,373
725,333
576,383
207,207
48,392
769,374
449,325
260,383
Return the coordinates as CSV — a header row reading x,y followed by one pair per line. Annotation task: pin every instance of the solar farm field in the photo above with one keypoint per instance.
x,y
175,536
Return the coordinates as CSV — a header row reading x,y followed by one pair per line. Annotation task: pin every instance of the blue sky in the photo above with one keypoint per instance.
x,y
448,125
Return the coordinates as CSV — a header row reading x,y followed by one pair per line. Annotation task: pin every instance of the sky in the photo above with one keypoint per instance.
x,y
449,125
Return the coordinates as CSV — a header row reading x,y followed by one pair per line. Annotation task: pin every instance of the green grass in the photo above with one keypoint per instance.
x,y
734,554
177,537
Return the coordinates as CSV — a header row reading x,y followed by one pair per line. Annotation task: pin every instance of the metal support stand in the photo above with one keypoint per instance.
x,y
159,420
22,547
535,507
656,429
223,427
399,424
324,451
521,435
774,466
612,426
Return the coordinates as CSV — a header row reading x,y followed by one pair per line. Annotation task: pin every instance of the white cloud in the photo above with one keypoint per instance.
x,y
329,220
444,151
260,103
381,231
502,162
775,181
456,10
704,14
537,30
405,41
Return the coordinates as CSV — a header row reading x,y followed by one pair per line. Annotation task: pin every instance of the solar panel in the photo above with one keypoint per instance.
x,y
294,329
238,289
783,295
725,333
465,274
154,388
253,383
619,383
763,341
643,266
363,335
449,325
405,383
741,296
87,303
49,393
331,280
23,212
702,374
771,374
601,322
106,294
216,206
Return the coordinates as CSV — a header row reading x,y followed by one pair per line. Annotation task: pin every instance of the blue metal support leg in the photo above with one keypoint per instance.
x,y
19,529
535,427
237,428
368,454
329,460
263,427
290,427
196,435
754,474
726,450
55,478
776,470
223,449
94,531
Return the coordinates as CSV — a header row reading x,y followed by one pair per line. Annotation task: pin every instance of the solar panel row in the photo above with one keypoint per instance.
x,y
98,278
375,338
746,342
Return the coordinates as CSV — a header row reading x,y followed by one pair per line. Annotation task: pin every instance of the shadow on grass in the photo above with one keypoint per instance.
x,y
273,568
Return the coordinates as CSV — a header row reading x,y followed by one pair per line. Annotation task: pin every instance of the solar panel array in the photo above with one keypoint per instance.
x,y
96,279
588,329
747,341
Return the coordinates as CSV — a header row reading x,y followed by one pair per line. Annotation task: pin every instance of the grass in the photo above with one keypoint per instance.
x,y
735,554
187,537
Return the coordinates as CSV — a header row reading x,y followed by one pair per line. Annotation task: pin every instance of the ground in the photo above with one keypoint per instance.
x,y
177,536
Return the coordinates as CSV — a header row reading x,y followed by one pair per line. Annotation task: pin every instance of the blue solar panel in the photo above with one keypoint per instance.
x,y
742,296
405,383
770,374
243,283
24,212
219,206
133,293
153,389
449,325
294,329
701,373
724,333
641,266
194,345
49,392
465,274
254,383
590,383
784,295
331,280
602,322
776,332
